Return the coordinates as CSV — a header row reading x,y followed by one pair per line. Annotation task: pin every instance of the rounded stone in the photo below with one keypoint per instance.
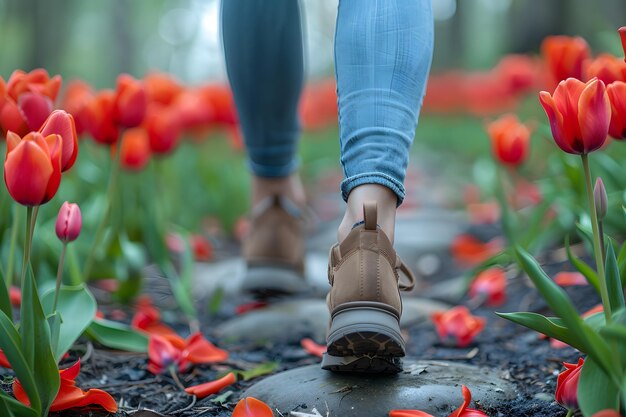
x,y
290,321
430,386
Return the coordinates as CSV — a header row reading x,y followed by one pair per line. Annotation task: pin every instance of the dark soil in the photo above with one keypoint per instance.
x,y
521,355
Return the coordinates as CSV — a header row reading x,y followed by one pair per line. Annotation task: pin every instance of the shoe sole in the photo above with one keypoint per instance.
x,y
366,340
270,281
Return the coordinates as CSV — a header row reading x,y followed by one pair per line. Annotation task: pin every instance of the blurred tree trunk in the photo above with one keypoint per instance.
x,y
125,50
49,29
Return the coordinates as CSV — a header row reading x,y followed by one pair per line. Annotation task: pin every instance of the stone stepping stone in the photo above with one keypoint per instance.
x,y
430,386
290,321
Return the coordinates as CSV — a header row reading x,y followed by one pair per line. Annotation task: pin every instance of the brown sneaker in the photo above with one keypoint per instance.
x,y
364,301
274,249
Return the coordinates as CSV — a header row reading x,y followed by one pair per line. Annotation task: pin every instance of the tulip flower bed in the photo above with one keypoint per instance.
x,y
545,251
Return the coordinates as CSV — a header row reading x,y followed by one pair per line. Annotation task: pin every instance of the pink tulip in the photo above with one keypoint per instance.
x,y
69,222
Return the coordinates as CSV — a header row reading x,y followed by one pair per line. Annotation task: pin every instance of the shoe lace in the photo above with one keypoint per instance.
x,y
407,273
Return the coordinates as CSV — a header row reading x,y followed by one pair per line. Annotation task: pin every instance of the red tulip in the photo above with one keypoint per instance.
x,y
161,88
469,251
130,101
77,95
135,149
99,117
607,68
462,411
579,115
69,395
69,222
567,385
32,169
34,108
622,34
509,140
15,295
201,246
458,325
491,284
313,348
37,81
62,123
565,56
11,118
251,407
566,279
4,362
607,413
617,96
212,387
163,128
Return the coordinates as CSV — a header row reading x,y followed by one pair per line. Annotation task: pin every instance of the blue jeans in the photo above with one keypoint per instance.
x,y
383,51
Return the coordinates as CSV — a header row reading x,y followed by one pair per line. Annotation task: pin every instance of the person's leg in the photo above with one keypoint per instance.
x,y
383,50
264,60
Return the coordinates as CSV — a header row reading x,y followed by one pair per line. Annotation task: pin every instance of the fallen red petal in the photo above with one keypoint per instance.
x,y
199,350
212,387
566,279
251,407
313,348
409,413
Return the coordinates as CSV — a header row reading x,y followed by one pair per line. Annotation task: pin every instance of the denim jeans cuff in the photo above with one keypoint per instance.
x,y
273,171
373,178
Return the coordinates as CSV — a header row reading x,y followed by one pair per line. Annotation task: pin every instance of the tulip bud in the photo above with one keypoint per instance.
x,y
600,198
69,222
622,34
567,385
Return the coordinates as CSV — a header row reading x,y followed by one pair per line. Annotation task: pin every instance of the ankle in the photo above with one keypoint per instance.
x,y
386,202
290,187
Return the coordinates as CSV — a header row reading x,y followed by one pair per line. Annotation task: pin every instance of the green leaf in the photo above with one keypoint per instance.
x,y
5,299
36,345
560,303
54,322
222,398
77,307
11,345
10,407
550,326
582,267
118,336
614,331
262,369
621,261
613,282
596,391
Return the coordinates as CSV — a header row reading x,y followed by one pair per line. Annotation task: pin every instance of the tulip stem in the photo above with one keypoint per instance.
x,y
16,222
505,214
115,168
59,277
604,293
27,243
176,378
570,412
